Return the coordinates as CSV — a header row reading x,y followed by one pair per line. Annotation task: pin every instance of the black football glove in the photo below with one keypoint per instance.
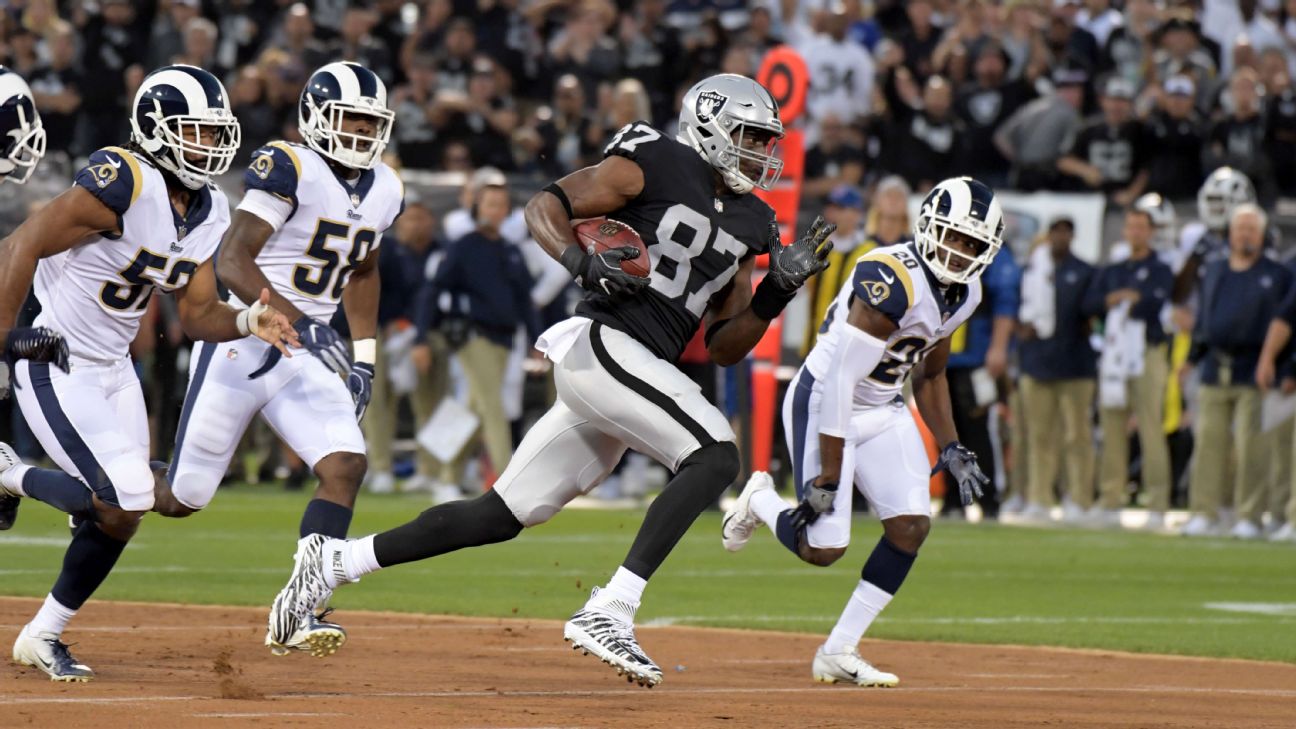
x,y
792,265
815,501
35,344
601,272
962,465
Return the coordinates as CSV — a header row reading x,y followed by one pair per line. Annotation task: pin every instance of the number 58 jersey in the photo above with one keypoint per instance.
x,y
325,226
96,293
896,282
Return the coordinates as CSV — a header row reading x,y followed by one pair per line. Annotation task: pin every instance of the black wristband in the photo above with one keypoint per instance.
x,y
573,259
768,301
553,189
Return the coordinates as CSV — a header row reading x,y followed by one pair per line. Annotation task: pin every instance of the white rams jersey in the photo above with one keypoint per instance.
x,y
896,282
332,227
96,293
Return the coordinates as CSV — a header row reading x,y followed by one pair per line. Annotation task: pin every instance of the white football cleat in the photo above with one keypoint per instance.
x,y
605,627
1073,513
848,667
1035,514
1284,533
46,652
740,521
382,482
1200,526
293,622
1246,529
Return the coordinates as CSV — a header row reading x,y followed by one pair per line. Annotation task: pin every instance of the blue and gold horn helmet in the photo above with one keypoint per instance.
x,y
173,109
334,92
22,137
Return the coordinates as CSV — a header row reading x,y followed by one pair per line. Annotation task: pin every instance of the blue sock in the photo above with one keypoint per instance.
x,y
61,491
786,534
86,564
887,566
327,518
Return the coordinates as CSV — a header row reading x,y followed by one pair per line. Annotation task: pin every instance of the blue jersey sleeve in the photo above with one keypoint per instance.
x,y
113,176
883,283
275,169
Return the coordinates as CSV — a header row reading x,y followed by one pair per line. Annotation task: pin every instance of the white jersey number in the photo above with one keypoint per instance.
x,y
138,287
676,283
631,136
315,280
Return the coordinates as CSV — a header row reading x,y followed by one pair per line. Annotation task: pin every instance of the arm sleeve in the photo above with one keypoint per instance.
x,y
858,354
273,209
883,283
113,176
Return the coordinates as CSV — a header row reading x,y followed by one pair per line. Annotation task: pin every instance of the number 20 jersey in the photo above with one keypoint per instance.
x,y
696,240
95,293
896,282
334,226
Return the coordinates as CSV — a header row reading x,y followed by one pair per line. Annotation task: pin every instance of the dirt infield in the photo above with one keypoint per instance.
x,y
173,667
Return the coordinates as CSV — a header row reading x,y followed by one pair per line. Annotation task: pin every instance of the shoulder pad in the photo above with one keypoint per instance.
x,y
276,169
635,140
113,176
883,282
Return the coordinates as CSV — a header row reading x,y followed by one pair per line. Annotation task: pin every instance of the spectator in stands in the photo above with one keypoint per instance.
x,y
630,103
1127,47
356,43
1238,139
200,37
488,281
1023,41
114,50
429,35
1099,18
1280,126
584,49
1108,153
419,123
57,88
845,209
982,105
456,55
1175,140
1238,298
1179,52
978,359
653,55
841,81
257,119
920,39
402,262
1070,44
1058,371
833,161
168,37
930,136
296,37
568,137
1133,368
1035,137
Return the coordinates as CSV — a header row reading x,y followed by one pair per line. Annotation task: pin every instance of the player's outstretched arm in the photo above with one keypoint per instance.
x,y
737,318
237,267
67,221
204,317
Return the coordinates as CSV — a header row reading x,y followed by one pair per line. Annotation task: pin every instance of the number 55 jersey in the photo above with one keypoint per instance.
x,y
696,240
95,293
324,225
896,282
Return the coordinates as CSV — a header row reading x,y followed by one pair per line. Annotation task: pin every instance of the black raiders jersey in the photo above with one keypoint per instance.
x,y
696,240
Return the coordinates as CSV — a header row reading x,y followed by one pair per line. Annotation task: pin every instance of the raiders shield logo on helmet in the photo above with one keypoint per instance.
x,y
709,104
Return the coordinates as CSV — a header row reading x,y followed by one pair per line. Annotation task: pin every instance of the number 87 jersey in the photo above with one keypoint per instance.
x,y
895,281
324,225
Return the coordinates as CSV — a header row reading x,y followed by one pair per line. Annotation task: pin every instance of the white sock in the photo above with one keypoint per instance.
x,y
52,618
767,505
12,478
358,557
863,606
625,586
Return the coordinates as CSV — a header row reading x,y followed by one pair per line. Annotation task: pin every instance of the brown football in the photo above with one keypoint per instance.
x,y
599,234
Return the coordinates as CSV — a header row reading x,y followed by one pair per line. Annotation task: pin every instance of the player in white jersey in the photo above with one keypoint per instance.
x,y
137,220
847,423
308,228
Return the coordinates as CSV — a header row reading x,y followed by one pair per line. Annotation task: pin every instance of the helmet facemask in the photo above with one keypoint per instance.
x,y
933,240
176,144
26,148
750,162
321,126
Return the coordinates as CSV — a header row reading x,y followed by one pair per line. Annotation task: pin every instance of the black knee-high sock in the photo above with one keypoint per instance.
x,y
86,564
61,491
327,518
446,528
702,478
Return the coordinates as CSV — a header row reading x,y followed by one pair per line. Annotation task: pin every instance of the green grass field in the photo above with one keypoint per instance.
x,y
974,583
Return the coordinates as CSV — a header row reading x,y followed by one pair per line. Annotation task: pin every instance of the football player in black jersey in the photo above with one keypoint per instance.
x,y
614,362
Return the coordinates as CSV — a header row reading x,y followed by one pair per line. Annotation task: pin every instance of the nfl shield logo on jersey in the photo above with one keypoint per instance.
x,y
709,104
